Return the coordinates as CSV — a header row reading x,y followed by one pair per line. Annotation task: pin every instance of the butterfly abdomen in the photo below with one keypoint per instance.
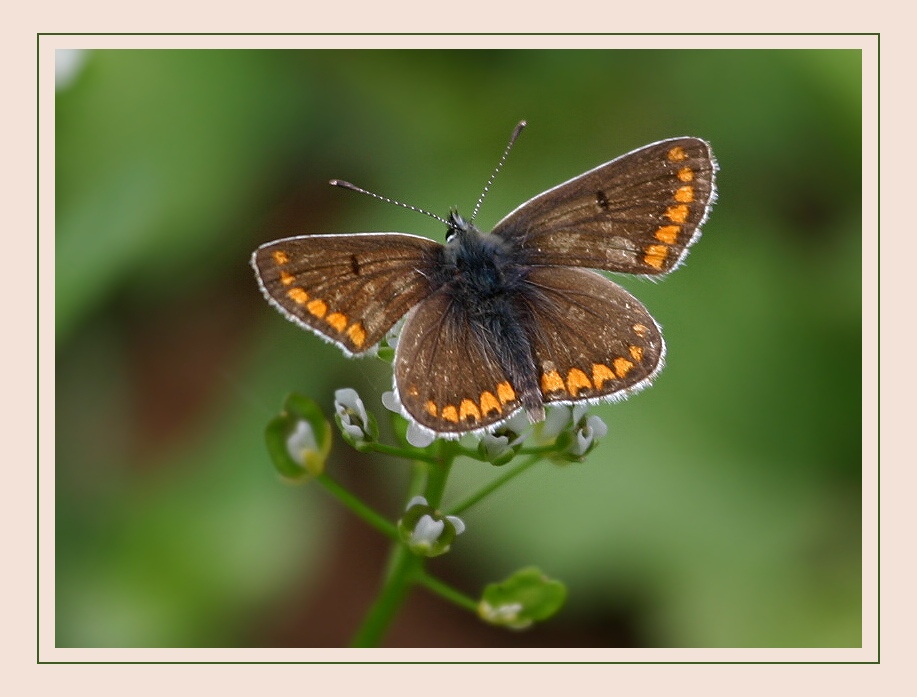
x,y
484,283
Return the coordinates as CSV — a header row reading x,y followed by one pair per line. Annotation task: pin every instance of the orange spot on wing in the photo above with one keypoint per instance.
x,y
677,214
431,408
641,330
576,381
450,413
317,308
686,174
286,278
298,296
636,352
655,254
622,366
337,320
677,154
684,194
468,409
280,257
667,234
357,334
601,374
489,403
551,382
505,392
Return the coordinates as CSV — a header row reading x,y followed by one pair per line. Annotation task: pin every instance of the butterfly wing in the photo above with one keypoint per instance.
x,y
591,339
637,214
348,289
448,379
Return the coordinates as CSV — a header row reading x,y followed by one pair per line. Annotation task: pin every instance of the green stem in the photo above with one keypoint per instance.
x,y
395,451
436,481
402,568
539,450
494,485
358,507
447,592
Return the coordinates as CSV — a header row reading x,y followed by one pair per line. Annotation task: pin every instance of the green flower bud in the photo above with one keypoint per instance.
x,y
574,431
501,446
426,531
526,597
299,439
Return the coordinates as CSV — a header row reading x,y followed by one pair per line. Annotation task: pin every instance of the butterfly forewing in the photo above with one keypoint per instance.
x,y
448,380
636,214
350,289
591,339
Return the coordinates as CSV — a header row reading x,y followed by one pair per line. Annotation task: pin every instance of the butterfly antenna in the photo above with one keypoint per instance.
x,y
348,185
512,139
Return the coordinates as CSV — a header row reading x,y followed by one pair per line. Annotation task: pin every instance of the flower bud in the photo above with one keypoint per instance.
x,y
426,531
299,439
357,427
526,597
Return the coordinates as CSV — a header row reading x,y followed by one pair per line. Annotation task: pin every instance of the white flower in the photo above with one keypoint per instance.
x,y
593,429
500,447
417,436
505,615
301,442
494,447
579,411
555,421
351,414
393,334
457,523
416,501
391,402
424,535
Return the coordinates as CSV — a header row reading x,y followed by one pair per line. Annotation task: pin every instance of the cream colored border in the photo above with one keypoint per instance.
x,y
645,679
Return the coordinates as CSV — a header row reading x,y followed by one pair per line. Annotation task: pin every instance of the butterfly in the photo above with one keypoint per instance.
x,y
517,318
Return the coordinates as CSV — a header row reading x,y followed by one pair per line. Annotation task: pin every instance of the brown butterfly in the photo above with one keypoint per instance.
x,y
515,318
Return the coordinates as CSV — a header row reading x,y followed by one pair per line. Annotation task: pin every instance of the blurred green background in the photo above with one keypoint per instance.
x,y
723,508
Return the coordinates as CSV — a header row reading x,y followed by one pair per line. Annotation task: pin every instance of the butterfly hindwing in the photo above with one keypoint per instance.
x,y
591,339
448,380
637,214
350,289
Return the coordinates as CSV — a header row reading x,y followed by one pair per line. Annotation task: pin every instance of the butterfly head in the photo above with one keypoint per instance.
x,y
459,229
